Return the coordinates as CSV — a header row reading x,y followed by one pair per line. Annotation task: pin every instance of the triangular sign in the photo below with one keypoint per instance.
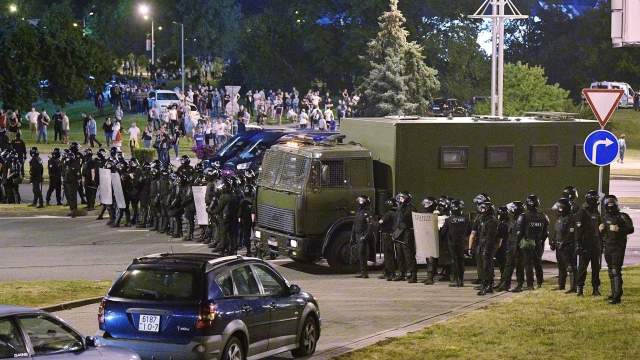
x,y
603,102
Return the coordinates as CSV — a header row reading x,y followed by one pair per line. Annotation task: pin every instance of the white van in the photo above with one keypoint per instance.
x,y
629,93
162,99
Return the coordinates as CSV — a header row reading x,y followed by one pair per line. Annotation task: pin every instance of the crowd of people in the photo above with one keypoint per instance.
x,y
512,235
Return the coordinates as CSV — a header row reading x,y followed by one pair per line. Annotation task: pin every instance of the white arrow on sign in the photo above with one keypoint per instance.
x,y
603,102
606,142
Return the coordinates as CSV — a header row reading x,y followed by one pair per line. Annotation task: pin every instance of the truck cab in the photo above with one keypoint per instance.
x,y
306,197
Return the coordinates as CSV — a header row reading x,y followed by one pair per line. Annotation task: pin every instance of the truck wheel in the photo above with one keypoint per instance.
x,y
339,253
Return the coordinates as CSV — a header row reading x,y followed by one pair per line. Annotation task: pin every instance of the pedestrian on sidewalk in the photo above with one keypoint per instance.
x,y
32,117
65,128
134,137
92,130
622,146
43,124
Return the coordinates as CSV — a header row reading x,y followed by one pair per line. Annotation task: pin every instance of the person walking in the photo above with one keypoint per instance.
x,y
147,136
92,130
65,128
36,172
622,146
85,122
43,124
107,127
32,117
134,137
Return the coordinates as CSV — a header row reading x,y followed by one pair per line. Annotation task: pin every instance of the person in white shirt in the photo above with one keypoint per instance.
x,y
304,119
65,128
134,135
322,124
291,115
622,146
119,114
221,132
32,116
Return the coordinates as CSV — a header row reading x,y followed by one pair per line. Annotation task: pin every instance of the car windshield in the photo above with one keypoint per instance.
x,y
284,171
234,145
167,96
156,284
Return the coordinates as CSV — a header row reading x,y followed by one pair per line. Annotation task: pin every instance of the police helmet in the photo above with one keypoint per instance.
x,y
456,206
113,151
391,203
515,208
611,205
443,205
88,152
185,160
102,154
403,197
503,213
430,203
363,201
74,147
532,202
570,192
55,153
34,152
592,198
133,163
480,198
562,206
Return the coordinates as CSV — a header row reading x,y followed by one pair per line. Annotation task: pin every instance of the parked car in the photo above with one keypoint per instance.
x,y
202,306
32,333
162,99
251,157
448,107
233,147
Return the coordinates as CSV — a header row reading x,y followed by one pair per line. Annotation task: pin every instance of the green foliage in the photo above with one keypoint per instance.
x,y
526,89
398,82
20,67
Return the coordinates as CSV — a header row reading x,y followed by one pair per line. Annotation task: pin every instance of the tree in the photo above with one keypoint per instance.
x,y
398,80
526,89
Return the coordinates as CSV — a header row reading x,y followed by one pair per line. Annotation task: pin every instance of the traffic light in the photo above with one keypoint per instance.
x,y
625,27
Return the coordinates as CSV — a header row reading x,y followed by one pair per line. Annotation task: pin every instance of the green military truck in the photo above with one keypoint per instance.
x,y
307,189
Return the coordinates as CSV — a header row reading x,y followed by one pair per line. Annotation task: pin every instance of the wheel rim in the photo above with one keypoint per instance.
x,y
234,352
309,337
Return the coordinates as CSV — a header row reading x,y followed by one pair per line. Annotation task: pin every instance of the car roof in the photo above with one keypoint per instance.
x,y
207,262
6,310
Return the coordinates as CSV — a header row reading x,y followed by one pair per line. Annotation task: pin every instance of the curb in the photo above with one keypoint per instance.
x,y
71,305
405,329
624,177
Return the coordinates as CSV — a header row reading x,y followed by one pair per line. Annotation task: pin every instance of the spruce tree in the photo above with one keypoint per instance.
x,y
399,82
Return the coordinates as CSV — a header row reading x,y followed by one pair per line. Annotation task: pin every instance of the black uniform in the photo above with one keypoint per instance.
x,y
405,242
563,242
189,206
486,232
90,176
588,245
245,211
533,230
145,180
514,259
55,179
361,236
226,212
386,229
616,227
456,230
72,169
36,172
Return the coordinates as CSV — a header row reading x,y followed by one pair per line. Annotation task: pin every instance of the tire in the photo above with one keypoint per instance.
x,y
308,339
339,253
234,350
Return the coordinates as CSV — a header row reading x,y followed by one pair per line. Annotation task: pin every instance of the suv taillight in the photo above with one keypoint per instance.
x,y
101,311
207,316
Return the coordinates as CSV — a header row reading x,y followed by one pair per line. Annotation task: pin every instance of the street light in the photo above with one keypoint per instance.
x,y
145,11
182,51
13,8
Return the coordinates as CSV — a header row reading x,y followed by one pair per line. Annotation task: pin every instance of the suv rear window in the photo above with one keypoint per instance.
x,y
156,284
167,96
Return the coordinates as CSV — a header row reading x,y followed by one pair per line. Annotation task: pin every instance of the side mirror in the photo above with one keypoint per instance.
x,y
90,341
294,289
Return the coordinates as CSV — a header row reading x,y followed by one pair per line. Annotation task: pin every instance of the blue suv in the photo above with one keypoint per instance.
x,y
202,306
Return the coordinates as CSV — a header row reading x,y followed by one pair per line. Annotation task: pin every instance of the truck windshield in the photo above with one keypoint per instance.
x,y
284,171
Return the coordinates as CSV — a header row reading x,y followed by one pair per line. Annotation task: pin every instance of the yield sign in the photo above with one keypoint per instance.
x,y
603,102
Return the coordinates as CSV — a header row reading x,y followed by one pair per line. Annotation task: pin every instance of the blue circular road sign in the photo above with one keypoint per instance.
x,y
601,148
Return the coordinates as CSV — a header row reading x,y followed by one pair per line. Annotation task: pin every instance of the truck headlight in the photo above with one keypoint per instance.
x,y
258,233
293,243
243,166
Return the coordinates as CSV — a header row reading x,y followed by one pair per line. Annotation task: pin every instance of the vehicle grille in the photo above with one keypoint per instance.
x,y
275,218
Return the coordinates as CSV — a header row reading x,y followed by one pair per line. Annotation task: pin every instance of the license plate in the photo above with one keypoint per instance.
x,y
272,242
149,323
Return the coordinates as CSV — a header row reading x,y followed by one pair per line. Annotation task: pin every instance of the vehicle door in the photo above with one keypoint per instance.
x,y
285,309
49,338
12,344
329,197
254,309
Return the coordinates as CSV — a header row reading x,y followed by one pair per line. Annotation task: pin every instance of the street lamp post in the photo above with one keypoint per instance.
x,y
181,52
145,11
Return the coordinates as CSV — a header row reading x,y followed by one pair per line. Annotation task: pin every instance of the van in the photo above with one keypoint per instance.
x,y
162,99
627,98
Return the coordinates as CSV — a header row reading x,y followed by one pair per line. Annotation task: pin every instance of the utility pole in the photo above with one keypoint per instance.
x,y
181,52
498,11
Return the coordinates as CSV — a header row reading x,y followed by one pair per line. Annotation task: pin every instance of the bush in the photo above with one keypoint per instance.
x,y
147,155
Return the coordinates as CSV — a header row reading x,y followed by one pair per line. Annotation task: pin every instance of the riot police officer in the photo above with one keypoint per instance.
x,y
588,242
132,188
361,233
444,260
226,211
456,230
477,200
72,168
386,229
503,238
245,214
74,148
211,176
484,238
571,193
174,203
563,243
162,198
188,203
123,170
91,178
403,238
514,257
144,174
615,228
36,171
533,227
429,205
